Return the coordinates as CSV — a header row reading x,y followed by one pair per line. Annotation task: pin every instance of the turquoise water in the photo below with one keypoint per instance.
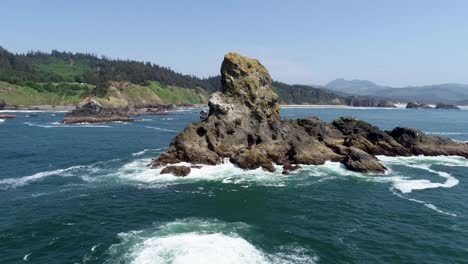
x,y
83,194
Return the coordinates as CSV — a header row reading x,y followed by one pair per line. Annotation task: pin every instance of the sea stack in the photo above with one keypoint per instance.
x,y
447,106
91,111
414,105
244,126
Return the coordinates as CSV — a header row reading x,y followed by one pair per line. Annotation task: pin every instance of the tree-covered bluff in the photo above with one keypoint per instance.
x,y
66,78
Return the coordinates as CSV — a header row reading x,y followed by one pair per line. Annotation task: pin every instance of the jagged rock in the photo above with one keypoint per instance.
x,y
447,106
179,171
250,159
421,144
203,114
2,104
360,161
288,167
91,111
244,126
414,105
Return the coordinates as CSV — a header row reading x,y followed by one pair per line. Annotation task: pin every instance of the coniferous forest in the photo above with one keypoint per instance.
x,y
84,74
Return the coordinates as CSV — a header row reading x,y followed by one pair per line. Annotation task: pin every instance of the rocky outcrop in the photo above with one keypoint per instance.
x,y
179,171
414,105
2,104
447,106
91,111
387,104
5,116
365,101
244,126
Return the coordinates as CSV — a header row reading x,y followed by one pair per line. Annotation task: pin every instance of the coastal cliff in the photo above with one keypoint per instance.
x,y
244,125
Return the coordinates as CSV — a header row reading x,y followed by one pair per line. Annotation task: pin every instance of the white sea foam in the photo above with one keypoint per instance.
x,y
59,125
2,120
408,184
138,171
198,241
26,257
21,181
161,129
143,152
430,160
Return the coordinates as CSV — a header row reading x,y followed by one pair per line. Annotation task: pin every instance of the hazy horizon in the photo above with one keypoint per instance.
x,y
396,43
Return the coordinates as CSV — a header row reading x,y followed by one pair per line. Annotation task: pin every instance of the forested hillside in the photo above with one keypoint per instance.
x,y
65,78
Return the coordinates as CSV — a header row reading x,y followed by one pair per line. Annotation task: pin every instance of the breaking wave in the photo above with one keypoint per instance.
x,y
137,171
199,241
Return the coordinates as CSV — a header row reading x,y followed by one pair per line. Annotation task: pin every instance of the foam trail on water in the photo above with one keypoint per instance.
x,y
58,125
143,152
446,133
17,182
199,241
428,205
161,129
407,185
431,160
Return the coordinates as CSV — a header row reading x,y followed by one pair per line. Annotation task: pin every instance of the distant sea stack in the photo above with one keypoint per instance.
x,y
414,105
4,116
91,111
447,106
244,126
365,101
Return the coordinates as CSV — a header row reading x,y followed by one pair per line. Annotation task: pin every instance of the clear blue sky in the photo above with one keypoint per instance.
x,y
394,42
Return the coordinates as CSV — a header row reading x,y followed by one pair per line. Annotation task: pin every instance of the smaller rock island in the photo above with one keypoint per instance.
x,y
91,111
244,126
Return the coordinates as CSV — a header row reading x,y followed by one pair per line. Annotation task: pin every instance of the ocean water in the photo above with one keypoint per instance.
x,y
83,194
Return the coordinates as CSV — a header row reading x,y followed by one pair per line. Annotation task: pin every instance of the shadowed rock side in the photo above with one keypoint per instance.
x,y
244,125
447,106
91,111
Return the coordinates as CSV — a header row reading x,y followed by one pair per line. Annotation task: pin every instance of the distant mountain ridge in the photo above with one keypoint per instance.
x,y
452,93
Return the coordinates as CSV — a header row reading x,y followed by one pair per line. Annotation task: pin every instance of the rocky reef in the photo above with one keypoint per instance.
x,y
414,105
5,116
447,106
244,126
91,111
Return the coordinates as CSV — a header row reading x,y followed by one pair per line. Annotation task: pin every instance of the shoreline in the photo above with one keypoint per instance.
x,y
68,108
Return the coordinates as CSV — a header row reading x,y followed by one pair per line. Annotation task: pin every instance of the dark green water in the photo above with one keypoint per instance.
x,y
82,194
